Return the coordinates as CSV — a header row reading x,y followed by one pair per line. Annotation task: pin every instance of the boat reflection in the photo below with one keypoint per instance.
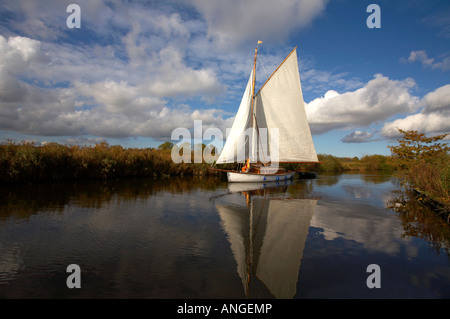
x,y
267,233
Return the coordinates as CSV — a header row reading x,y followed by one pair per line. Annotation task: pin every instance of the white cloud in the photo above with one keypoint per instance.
x,y
422,57
19,53
424,123
377,101
143,62
319,81
438,100
102,98
233,22
175,78
433,118
358,137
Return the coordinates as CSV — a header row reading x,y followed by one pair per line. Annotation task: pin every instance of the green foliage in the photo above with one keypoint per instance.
x,y
165,146
376,163
330,163
333,164
425,164
416,148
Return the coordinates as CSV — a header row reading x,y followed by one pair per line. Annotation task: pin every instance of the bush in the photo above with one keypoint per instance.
x,y
329,163
425,165
376,163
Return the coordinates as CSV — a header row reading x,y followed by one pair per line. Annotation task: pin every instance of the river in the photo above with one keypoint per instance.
x,y
204,238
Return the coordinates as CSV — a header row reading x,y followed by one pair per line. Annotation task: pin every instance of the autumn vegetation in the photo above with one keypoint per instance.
x,y
26,162
424,164
422,161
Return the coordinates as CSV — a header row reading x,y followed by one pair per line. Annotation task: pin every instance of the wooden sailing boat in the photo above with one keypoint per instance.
x,y
270,127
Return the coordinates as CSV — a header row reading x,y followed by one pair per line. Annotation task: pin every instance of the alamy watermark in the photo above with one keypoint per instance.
x,y
74,279
374,279
374,19
74,19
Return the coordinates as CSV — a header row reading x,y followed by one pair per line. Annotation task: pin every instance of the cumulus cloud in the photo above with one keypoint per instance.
x,y
358,137
143,69
175,78
94,104
130,68
438,100
377,101
422,57
424,123
434,116
17,54
234,22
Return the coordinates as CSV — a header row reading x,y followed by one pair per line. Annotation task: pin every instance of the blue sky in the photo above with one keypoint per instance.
x,y
136,70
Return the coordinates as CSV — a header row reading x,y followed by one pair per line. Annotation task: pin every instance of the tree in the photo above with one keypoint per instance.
x,y
165,146
425,163
415,148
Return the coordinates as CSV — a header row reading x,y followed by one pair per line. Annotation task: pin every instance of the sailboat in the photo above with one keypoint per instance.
x,y
270,127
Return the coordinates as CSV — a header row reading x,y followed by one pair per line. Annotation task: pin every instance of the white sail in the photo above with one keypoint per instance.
x,y
279,111
237,142
279,104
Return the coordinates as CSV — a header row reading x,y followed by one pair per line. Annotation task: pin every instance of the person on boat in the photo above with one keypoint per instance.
x,y
246,167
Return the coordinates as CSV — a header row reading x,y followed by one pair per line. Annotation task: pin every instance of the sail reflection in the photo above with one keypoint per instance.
x,y
267,233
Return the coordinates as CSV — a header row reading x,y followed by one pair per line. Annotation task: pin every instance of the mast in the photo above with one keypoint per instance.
x,y
253,86
253,92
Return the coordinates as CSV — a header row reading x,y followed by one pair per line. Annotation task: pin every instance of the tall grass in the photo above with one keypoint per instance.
x,y
432,180
22,162
368,163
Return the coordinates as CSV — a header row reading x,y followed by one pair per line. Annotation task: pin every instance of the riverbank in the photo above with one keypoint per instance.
x,y
367,163
26,162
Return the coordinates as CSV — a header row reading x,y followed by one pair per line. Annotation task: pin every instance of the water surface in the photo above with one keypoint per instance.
x,y
205,238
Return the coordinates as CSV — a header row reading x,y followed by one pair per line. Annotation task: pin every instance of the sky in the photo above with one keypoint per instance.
x,y
136,70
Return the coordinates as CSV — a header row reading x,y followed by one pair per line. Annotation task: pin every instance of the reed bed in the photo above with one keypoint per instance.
x,y
26,162
367,163
432,182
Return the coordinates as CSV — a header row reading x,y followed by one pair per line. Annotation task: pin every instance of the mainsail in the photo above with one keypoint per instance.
x,y
279,110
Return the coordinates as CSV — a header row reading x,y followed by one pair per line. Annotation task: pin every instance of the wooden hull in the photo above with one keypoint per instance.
x,y
252,177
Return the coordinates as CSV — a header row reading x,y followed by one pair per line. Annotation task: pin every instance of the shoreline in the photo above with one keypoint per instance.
x,y
27,163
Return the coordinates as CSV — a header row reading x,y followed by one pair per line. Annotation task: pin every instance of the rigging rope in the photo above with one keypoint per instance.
x,y
265,71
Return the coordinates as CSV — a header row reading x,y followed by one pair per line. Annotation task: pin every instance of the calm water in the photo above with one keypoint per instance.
x,y
204,238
